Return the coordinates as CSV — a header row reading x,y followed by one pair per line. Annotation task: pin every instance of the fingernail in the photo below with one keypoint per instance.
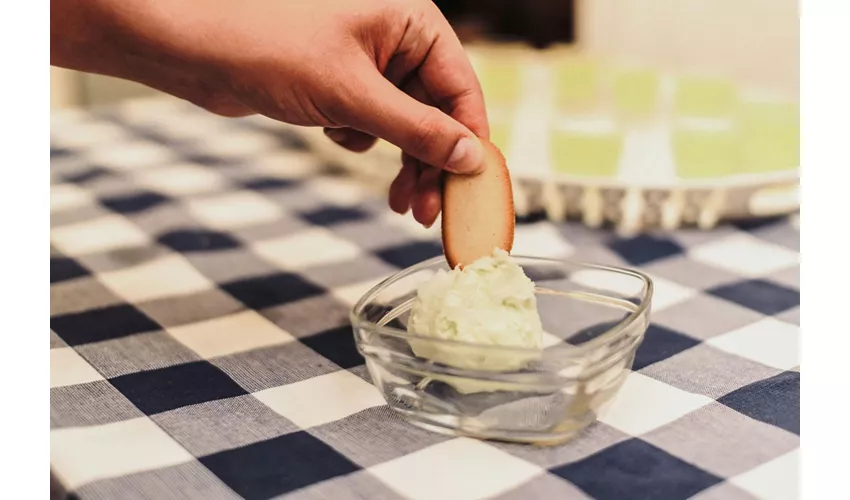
x,y
467,156
336,134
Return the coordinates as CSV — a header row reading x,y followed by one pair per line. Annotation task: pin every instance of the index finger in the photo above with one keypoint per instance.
x,y
451,82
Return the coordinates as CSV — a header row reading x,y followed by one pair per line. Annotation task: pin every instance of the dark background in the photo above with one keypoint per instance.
x,y
537,22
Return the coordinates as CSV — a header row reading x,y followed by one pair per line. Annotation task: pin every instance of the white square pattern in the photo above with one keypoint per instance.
x,y
745,255
189,126
460,469
238,332
181,179
540,240
667,293
339,191
111,232
240,143
151,111
233,211
607,281
287,164
644,404
307,248
350,294
322,399
550,340
68,368
67,196
770,342
85,133
412,228
778,479
81,455
131,155
161,278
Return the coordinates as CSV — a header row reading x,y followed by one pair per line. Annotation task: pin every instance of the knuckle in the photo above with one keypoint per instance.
x,y
403,13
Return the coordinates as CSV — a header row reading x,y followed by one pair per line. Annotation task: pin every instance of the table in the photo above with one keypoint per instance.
x,y
201,273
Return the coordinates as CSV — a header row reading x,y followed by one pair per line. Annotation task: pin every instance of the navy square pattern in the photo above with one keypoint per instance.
x,y
404,256
660,343
336,344
156,391
329,216
64,269
644,249
271,290
774,401
271,468
197,240
134,203
759,295
636,470
106,323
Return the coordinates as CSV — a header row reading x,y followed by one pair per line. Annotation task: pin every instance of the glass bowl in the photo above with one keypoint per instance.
x,y
594,317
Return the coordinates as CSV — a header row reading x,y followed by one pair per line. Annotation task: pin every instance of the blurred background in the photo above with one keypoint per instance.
x,y
638,112
756,41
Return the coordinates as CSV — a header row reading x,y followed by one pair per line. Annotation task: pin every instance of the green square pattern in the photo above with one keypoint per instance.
x,y
705,97
586,154
702,153
576,84
500,135
636,92
500,81
770,136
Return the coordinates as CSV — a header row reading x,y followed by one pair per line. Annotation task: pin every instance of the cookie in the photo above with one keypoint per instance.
x,y
478,210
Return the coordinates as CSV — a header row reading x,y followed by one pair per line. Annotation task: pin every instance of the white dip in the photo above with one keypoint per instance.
x,y
489,302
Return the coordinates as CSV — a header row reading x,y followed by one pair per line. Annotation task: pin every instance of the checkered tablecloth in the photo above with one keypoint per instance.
x,y
201,273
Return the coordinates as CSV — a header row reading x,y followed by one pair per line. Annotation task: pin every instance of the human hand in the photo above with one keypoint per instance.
x,y
362,69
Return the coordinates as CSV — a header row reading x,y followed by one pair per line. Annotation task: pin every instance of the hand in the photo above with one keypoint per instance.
x,y
362,69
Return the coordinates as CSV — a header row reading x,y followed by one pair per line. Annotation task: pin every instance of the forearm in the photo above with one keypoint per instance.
x,y
158,43
123,38
77,34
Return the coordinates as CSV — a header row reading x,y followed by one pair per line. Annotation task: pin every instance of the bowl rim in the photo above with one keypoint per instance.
x,y
605,338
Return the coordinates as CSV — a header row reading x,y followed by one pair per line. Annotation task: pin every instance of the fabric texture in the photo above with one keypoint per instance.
x,y
202,270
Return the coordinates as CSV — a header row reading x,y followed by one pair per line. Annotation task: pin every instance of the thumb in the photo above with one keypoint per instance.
x,y
424,132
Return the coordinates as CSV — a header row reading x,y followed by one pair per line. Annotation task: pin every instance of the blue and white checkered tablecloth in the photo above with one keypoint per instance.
x,y
201,273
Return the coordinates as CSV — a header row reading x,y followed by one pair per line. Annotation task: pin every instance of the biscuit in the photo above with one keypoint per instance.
x,y
478,210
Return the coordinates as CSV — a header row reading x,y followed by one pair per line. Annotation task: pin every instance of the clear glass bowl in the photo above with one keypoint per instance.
x,y
594,317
